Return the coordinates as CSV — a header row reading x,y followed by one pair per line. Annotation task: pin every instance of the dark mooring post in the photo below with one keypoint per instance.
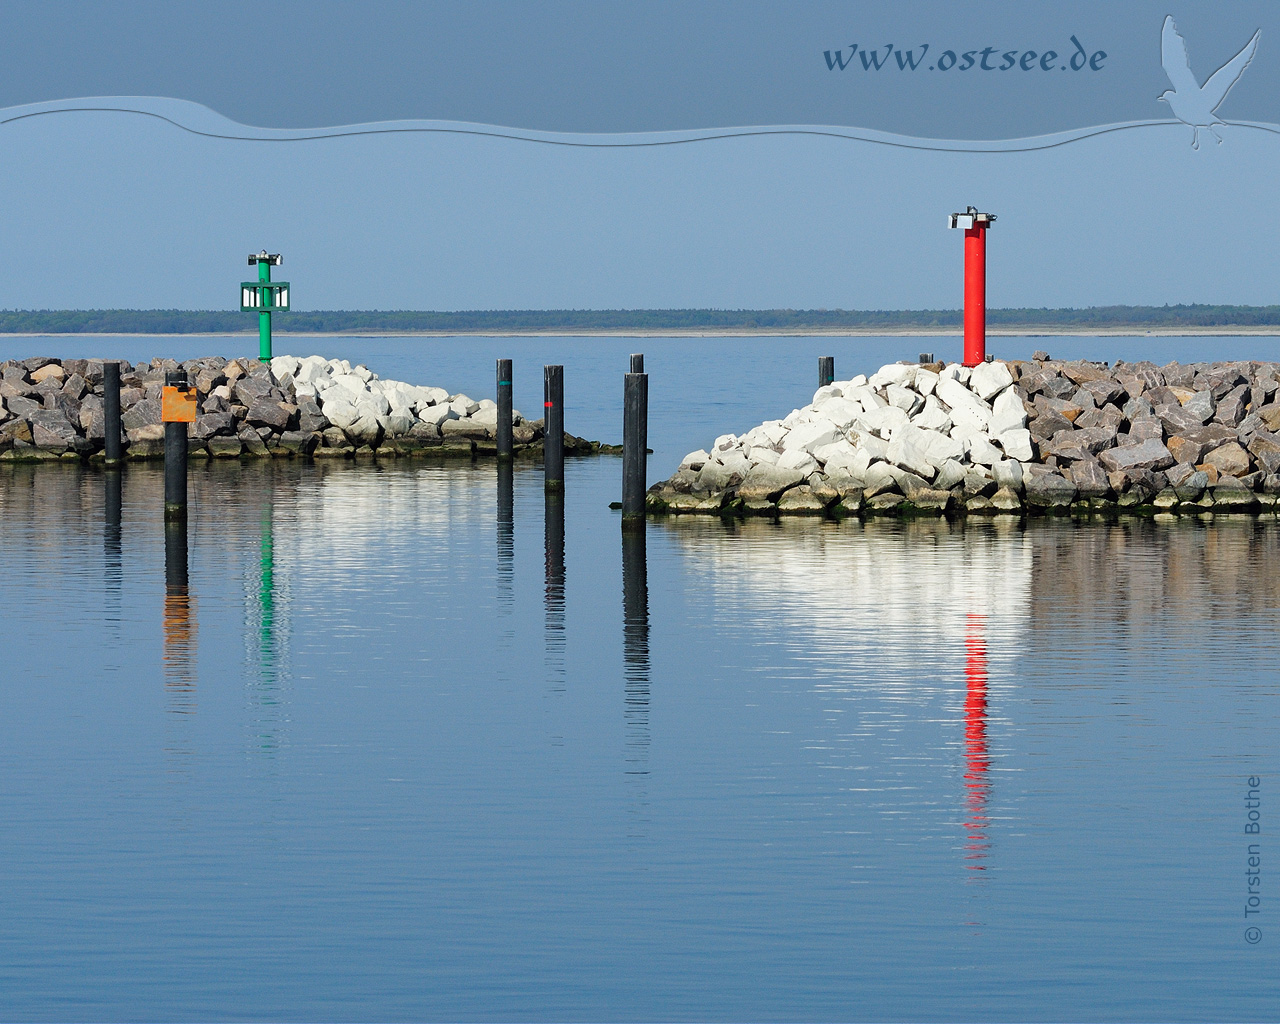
x,y
826,370
504,410
553,430
637,366
175,446
111,413
635,416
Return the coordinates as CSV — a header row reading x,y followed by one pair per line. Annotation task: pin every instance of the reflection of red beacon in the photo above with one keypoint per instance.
x,y
976,756
975,226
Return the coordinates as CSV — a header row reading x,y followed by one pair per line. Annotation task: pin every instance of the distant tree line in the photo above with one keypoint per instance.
x,y
207,321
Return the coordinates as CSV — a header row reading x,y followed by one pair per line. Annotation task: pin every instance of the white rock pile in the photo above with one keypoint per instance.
x,y
367,409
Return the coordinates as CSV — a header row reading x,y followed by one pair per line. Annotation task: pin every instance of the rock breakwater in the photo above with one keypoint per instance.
x,y
52,409
1035,436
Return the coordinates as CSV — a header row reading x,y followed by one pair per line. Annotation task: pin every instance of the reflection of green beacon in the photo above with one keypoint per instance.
x,y
261,297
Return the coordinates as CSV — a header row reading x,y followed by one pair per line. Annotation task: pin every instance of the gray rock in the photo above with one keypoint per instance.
x,y
1108,418
1230,412
1046,489
1047,424
1090,478
1230,459
251,442
1212,435
299,442
267,412
147,432
1006,500
366,430
1076,444
1103,390
880,477
1266,451
310,418
1229,494
766,483
1192,486
17,430
211,424
1178,472
1144,428
1186,449
1149,454
979,484
801,499
1137,408
1177,419
144,413
21,406
247,389
1201,405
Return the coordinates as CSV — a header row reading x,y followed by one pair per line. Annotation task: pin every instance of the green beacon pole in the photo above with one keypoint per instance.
x,y
264,317
264,297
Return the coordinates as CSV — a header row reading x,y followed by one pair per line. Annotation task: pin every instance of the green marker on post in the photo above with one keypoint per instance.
x,y
262,297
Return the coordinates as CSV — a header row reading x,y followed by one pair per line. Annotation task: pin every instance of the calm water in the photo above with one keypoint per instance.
x,y
409,741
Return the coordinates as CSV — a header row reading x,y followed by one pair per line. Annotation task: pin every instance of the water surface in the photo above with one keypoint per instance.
x,y
411,741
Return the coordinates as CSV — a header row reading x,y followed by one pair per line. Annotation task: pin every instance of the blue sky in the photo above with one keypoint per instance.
x,y
116,210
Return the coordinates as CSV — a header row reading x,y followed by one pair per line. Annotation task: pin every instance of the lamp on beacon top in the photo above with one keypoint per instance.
x,y
975,226
263,297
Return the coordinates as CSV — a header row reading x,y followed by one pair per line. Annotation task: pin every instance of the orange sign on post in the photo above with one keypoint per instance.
x,y
178,404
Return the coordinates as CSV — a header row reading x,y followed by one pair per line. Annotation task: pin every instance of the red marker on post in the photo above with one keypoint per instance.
x,y
975,226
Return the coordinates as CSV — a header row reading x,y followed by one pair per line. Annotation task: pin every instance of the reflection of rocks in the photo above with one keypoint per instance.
x,y
1157,573
899,593
929,439
289,407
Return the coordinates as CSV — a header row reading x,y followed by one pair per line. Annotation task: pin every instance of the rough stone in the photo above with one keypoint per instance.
x,y
1089,478
1229,459
801,499
1185,449
1191,487
1045,489
1006,500
1149,454
766,483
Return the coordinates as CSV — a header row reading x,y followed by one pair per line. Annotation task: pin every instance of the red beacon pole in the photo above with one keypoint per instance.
x,y
975,226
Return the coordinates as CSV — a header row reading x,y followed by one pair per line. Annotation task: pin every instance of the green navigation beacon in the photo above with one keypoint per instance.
x,y
263,297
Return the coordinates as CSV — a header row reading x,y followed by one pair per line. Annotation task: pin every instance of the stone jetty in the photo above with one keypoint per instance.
x,y
52,409
1020,437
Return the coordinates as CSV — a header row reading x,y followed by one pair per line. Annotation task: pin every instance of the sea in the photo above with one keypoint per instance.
x,y
415,740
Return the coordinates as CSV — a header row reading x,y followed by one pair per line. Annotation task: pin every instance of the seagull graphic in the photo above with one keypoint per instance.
x,y
1192,103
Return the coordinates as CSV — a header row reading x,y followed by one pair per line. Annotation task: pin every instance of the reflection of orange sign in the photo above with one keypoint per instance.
x,y
178,405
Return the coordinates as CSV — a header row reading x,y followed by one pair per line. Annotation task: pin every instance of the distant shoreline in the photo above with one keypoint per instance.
x,y
1004,331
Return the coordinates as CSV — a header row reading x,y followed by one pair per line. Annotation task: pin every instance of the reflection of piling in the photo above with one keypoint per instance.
x,y
826,370
112,548
635,649
553,594
635,418
111,412
506,529
111,534
175,456
179,624
504,411
553,429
